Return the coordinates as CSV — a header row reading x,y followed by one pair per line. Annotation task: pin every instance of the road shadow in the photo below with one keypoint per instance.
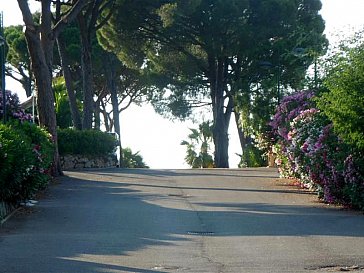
x,y
81,219
158,173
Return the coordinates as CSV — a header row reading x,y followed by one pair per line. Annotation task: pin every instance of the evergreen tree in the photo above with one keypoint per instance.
x,y
211,48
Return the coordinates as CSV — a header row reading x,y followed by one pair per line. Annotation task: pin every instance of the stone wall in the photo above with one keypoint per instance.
x,y
71,162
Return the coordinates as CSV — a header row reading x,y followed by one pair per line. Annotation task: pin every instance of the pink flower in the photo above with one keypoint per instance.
x,y
318,146
304,147
278,161
289,136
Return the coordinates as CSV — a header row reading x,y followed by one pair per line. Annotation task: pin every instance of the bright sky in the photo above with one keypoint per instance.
x,y
158,139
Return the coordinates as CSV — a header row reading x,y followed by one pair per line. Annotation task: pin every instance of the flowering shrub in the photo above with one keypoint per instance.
x,y
26,153
318,153
25,157
13,110
309,150
290,107
354,182
16,160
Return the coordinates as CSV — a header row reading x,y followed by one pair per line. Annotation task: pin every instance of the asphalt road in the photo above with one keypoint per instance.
x,y
213,221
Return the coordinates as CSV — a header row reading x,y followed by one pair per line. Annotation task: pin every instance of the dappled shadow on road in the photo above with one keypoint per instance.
x,y
89,224
209,188
150,173
260,219
79,221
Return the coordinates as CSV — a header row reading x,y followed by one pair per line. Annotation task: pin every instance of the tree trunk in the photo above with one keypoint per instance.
x,y
111,77
115,111
221,118
221,141
240,130
75,113
97,114
40,45
87,74
40,40
107,123
25,80
45,96
244,139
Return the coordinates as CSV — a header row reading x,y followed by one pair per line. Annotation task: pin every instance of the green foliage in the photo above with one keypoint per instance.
x,y
16,160
198,154
18,56
86,142
40,139
309,150
71,35
63,111
205,50
17,46
176,38
344,101
132,160
26,154
252,157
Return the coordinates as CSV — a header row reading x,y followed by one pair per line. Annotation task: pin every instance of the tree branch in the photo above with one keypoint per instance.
x,y
27,15
75,10
108,16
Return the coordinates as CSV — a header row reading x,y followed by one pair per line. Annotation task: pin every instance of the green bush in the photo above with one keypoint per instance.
x,y
86,142
344,101
132,160
43,151
252,157
25,157
16,160
41,140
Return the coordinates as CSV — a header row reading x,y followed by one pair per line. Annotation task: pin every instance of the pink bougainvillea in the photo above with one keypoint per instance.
x,y
309,150
13,110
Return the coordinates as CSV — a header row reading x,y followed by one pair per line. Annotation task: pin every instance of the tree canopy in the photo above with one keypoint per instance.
x,y
211,48
18,57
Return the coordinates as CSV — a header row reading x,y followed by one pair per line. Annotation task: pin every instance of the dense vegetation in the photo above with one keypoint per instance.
x,y
26,155
133,160
94,143
198,147
86,142
211,53
320,135
309,150
88,61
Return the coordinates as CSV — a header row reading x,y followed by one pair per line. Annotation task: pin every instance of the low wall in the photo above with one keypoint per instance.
x,y
71,162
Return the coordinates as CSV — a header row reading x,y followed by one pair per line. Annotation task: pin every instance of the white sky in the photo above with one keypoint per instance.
x,y
158,139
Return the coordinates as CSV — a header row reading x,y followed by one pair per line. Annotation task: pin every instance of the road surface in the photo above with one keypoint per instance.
x,y
211,221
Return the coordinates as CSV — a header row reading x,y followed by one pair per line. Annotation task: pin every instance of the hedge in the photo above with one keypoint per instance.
x,y
86,142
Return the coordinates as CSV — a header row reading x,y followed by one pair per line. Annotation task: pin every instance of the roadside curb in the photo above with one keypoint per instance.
x,y
9,216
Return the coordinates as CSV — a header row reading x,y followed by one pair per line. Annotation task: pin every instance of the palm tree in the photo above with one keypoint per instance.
x,y
202,138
